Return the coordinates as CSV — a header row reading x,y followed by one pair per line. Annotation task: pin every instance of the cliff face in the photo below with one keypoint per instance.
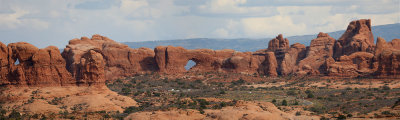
x,y
119,59
357,38
35,67
92,61
173,60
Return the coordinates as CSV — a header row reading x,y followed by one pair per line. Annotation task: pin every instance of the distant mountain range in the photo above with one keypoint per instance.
x,y
388,32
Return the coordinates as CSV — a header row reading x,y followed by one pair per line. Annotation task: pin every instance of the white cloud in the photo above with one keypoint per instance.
x,y
16,20
221,32
233,7
270,26
139,20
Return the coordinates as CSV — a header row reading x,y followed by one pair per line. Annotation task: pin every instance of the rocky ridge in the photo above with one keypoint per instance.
x,y
92,61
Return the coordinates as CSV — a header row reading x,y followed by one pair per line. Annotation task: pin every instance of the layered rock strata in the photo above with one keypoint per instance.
x,y
92,61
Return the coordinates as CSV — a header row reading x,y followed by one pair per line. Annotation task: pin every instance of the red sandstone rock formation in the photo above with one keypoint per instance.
x,y
120,60
381,45
278,43
358,63
91,68
291,58
92,61
269,64
37,67
389,63
319,51
280,47
173,60
358,37
4,65
388,56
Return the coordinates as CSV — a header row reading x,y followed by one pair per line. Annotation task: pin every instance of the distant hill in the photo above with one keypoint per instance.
x,y
388,32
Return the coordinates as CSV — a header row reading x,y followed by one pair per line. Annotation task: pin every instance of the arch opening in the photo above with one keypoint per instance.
x,y
190,64
16,62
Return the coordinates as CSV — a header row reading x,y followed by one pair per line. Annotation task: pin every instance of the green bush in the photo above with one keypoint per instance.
x,y
310,95
385,87
14,115
341,117
298,113
132,109
126,91
291,92
284,103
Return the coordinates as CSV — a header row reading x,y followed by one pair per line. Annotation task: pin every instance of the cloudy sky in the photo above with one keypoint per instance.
x,y
55,22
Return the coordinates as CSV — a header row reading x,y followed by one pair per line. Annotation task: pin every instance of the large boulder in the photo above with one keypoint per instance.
x,y
357,38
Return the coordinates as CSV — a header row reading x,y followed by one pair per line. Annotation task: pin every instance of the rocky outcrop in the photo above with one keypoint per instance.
x,y
35,67
359,63
4,65
91,68
381,45
291,58
269,64
318,52
92,61
278,43
389,63
119,59
357,38
388,56
281,49
173,60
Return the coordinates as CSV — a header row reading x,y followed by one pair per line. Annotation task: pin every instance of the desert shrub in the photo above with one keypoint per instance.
x,y
291,92
126,91
349,115
222,92
238,82
201,111
341,117
56,101
298,113
387,113
308,91
15,115
132,109
310,95
385,87
396,103
296,102
273,100
106,116
284,103
203,103
2,113
318,109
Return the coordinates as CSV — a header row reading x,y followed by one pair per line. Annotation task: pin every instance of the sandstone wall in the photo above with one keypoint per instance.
x,y
92,61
